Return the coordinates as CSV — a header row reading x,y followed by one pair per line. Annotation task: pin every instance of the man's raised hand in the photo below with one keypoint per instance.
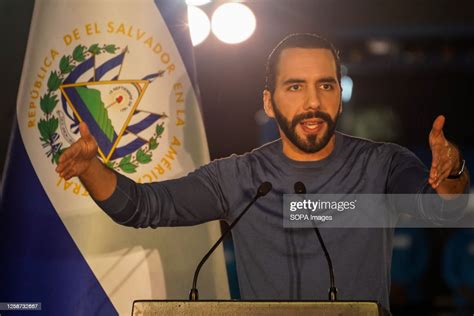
x,y
445,156
77,159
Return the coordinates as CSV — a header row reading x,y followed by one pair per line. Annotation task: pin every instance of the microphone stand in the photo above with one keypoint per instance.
x,y
263,189
300,188
332,288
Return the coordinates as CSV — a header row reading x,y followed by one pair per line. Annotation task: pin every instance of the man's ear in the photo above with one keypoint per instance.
x,y
267,103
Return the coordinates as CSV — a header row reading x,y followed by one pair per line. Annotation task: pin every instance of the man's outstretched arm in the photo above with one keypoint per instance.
x,y
81,160
189,200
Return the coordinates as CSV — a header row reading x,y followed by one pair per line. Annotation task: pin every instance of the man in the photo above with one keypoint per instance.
x,y
303,94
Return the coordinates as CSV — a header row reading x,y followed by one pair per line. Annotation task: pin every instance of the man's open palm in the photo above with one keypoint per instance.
x,y
445,156
76,159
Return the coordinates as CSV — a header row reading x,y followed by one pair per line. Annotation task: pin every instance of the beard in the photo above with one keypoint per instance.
x,y
311,143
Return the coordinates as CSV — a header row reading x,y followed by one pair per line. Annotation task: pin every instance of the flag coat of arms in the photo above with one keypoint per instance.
x,y
126,69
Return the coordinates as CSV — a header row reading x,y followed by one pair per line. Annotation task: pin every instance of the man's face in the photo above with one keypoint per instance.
x,y
307,98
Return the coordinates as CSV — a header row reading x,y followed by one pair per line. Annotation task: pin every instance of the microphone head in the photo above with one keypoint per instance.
x,y
300,188
264,188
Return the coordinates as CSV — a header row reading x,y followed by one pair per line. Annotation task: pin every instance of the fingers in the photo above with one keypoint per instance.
x,y
68,155
436,136
439,173
75,159
78,145
89,143
438,153
72,168
69,173
439,161
438,124
86,134
442,174
433,174
443,163
84,130
444,154
64,167
71,156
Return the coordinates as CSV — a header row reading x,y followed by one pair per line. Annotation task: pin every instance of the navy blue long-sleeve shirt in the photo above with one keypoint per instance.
x,y
274,262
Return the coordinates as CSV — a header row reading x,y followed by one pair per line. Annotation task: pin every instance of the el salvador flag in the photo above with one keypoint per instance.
x,y
58,248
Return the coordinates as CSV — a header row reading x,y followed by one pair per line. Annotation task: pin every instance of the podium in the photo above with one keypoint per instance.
x,y
260,308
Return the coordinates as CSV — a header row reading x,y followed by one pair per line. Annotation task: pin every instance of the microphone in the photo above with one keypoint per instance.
x,y
262,190
301,189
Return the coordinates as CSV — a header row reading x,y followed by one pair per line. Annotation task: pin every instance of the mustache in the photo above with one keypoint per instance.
x,y
311,114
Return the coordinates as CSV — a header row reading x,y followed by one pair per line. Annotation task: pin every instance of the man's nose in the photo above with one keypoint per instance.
x,y
313,101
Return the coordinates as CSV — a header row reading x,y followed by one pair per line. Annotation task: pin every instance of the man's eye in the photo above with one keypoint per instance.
x,y
294,87
326,86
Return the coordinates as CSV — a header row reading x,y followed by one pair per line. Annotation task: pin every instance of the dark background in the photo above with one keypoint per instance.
x,y
428,70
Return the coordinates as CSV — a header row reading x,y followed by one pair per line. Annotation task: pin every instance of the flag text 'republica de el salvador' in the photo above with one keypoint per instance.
x,y
125,68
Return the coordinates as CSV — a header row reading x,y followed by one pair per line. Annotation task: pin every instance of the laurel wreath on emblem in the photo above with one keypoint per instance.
x,y
49,123
130,162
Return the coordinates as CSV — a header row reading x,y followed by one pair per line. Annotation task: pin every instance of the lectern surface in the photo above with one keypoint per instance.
x,y
260,308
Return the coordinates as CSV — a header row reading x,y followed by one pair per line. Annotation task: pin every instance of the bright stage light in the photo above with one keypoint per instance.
x,y
347,86
233,23
197,2
199,25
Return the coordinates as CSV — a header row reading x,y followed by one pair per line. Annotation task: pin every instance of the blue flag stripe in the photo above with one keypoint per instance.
x,y
144,123
128,149
152,77
109,65
43,262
